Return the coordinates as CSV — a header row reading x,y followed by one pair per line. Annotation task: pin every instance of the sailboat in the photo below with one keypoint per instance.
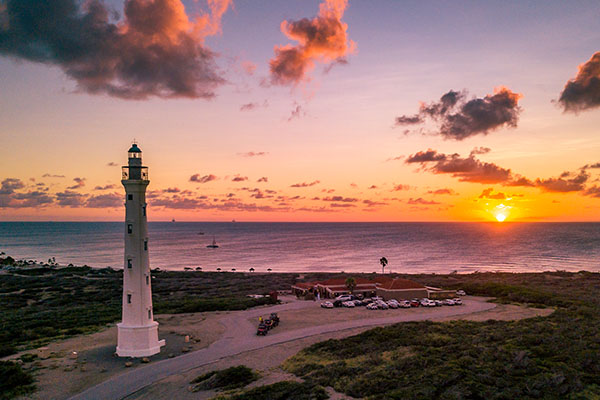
x,y
213,245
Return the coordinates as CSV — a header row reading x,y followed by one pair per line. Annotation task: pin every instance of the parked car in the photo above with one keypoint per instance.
x,y
405,304
415,303
458,302
345,297
438,303
461,293
348,304
392,304
367,301
372,306
358,303
262,330
382,305
376,298
449,302
327,304
337,303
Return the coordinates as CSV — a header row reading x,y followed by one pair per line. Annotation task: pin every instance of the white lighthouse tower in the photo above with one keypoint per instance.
x,y
138,332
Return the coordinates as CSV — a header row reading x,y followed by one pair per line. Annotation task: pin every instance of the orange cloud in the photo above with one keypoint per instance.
x,y
323,38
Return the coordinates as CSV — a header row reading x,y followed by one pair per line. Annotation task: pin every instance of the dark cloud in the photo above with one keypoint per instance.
x,y
106,187
202,179
154,51
112,164
488,194
79,183
468,169
593,191
253,154
52,176
458,118
421,201
238,178
249,106
171,190
297,112
371,203
372,187
70,199
304,184
263,179
519,181
343,205
111,200
566,182
341,199
322,38
583,92
480,150
9,185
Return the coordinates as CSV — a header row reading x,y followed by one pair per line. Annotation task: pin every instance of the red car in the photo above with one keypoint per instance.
x,y
415,303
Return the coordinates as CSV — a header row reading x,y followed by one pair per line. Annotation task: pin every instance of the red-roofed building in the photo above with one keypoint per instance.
x,y
402,289
384,286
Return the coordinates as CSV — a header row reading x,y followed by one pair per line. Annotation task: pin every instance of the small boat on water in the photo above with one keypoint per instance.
x,y
200,233
213,245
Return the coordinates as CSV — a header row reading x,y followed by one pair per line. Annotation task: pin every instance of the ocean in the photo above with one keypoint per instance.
x,y
311,247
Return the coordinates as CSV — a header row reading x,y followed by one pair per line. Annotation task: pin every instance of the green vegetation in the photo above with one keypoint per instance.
x,y
286,390
226,379
14,381
41,304
557,357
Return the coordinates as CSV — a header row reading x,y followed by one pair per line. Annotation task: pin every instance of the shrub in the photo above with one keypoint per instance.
x,y
7,350
14,381
230,378
286,390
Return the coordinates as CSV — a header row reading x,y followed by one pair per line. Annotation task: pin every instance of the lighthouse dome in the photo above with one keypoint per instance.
x,y
134,149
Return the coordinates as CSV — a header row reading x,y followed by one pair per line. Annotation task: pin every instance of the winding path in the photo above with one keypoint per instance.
x,y
240,337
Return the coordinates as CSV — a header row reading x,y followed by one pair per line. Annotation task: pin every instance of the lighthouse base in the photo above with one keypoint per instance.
x,y
138,341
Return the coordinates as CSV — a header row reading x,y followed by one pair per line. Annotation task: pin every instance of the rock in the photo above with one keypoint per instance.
x,y
128,364
171,355
187,338
145,360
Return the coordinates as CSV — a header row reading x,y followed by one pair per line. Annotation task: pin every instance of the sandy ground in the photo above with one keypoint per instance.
x,y
60,375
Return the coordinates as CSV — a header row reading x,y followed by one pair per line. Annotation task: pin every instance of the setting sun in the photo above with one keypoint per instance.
x,y
500,217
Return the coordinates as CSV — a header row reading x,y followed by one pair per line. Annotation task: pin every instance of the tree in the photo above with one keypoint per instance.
x,y
251,269
351,284
383,261
269,270
218,269
233,269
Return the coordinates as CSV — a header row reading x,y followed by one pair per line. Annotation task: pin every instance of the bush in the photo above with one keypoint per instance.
x,y
7,350
286,390
14,381
230,378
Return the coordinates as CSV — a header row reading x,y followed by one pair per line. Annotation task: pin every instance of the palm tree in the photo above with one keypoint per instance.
x,y
251,269
269,270
232,269
383,261
351,284
218,269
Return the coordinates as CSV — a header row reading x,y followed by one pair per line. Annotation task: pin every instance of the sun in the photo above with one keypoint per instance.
x,y
500,217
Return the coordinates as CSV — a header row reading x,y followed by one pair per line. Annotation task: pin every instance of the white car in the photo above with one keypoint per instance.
x,y
392,304
405,304
438,303
449,302
327,304
460,293
349,304
372,306
382,305
344,297
458,302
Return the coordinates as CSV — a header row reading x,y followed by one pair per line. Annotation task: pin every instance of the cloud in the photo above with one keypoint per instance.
x,y
480,150
344,205
468,169
238,178
171,190
9,185
458,118
371,203
253,154
373,187
297,112
156,50
593,191
441,191
111,200
112,164
341,199
421,201
487,194
249,67
566,182
583,92
399,187
70,199
79,183
304,184
52,176
263,179
323,38
106,187
248,106
202,179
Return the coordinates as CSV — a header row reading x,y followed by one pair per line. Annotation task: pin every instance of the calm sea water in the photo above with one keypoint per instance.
x,y
303,247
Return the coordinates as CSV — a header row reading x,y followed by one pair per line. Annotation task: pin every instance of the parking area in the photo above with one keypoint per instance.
x,y
378,303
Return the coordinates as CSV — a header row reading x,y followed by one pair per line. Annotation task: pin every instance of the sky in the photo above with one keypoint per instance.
x,y
303,110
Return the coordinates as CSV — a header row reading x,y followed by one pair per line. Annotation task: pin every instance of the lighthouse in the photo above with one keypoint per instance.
x,y
137,332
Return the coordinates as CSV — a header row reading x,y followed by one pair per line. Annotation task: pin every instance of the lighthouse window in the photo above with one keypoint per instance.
x,y
129,228
149,314
129,197
128,299
129,265
146,244
147,280
144,210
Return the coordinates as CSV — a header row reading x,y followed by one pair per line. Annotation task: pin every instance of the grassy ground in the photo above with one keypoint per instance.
x,y
40,304
226,379
557,357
